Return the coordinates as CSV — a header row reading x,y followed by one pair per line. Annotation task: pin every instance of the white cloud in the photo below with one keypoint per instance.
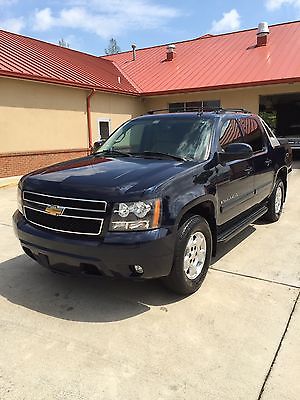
x,y
229,22
105,17
12,24
277,4
7,22
43,19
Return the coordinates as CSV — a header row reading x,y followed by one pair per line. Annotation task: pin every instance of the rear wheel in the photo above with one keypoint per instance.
x,y
275,203
192,256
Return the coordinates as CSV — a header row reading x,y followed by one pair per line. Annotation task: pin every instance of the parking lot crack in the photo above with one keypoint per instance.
x,y
2,223
256,278
279,347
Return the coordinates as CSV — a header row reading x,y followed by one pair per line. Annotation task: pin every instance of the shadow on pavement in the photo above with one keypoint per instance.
x,y
84,299
224,248
88,299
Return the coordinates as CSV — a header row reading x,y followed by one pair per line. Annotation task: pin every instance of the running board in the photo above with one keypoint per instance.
x,y
239,227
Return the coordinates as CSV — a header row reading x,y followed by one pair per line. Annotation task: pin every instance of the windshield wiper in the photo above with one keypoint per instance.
x,y
112,152
158,154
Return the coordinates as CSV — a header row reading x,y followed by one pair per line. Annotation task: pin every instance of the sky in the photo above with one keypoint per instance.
x,y
87,25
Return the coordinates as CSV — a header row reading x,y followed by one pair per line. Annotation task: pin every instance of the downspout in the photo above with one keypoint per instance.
x,y
88,115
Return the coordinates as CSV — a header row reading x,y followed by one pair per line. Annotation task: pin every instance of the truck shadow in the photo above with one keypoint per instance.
x,y
224,248
84,299
87,299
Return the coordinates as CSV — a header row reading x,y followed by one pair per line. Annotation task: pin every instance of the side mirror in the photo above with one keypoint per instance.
x,y
236,151
97,145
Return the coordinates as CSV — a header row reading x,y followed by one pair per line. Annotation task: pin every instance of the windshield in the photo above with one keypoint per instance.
x,y
185,138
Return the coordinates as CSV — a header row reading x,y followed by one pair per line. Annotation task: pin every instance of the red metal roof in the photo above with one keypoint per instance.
x,y
212,62
208,62
27,58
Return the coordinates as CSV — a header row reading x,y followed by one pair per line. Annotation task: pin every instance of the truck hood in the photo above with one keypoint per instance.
x,y
107,177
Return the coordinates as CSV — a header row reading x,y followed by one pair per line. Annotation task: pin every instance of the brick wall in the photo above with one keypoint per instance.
x,y
14,164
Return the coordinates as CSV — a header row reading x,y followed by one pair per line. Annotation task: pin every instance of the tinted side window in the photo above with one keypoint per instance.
x,y
253,134
230,133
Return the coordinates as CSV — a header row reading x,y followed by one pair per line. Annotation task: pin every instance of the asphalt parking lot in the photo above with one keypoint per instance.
x,y
92,339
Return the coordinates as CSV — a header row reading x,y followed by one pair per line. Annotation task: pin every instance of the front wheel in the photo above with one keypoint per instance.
x,y
275,203
192,256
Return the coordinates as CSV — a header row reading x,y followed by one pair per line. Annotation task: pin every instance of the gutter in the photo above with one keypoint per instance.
x,y
138,91
62,82
223,87
88,116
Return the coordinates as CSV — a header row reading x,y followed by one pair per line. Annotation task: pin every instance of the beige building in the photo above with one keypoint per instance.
x,y
44,123
55,102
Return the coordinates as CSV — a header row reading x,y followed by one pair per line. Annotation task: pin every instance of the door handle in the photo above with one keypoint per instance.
x,y
268,162
249,170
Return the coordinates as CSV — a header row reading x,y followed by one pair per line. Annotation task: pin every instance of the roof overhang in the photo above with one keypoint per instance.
x,y
61,82
22,76
224,87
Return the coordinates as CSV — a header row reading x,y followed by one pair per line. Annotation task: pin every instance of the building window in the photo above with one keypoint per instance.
x,y
194,105
104,128
176,107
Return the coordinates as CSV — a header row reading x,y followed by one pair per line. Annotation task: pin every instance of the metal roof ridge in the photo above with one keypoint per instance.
x,y
202,37
49,43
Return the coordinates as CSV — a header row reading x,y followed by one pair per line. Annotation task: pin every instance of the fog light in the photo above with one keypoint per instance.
x,y
138,269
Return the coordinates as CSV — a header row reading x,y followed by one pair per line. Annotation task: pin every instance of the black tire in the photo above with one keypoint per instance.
x,y
273,214
178,280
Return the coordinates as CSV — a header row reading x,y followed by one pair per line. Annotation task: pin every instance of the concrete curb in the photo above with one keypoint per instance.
x,y
10,181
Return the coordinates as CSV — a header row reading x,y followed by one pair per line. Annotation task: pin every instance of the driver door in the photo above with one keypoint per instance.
x,y
235,187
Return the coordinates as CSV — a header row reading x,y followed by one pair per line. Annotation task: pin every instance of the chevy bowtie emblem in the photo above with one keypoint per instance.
x,y
54,210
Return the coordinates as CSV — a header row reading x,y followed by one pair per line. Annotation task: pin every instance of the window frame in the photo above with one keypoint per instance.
x,y
264,150
223,121
273,140
98,126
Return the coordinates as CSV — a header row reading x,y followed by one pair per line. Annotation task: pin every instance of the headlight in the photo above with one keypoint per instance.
x,y
20,200
136,216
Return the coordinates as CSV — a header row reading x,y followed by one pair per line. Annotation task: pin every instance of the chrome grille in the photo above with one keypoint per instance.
x,y
64,214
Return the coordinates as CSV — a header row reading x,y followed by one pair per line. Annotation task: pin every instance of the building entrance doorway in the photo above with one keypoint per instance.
x,y
282,113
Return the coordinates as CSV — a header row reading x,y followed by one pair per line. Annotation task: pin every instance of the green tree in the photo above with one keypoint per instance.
x,y
113,47
270,118
63,43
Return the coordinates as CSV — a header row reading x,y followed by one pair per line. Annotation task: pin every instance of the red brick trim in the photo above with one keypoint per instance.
x,y
14,164
39,152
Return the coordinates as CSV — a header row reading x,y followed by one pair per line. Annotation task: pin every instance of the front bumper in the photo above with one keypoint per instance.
x,y
114,255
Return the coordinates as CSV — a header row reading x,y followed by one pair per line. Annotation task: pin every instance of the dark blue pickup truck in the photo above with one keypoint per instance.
x,y
156,198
